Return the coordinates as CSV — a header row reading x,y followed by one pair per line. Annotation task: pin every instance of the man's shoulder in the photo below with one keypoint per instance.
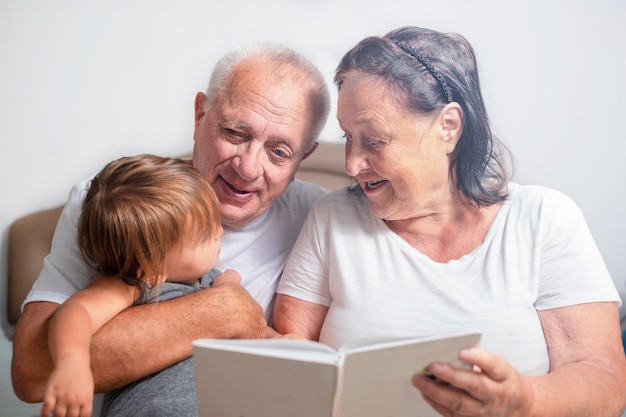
x,y
295,202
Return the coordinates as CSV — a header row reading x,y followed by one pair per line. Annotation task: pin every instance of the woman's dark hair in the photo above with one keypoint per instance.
x,y
426,70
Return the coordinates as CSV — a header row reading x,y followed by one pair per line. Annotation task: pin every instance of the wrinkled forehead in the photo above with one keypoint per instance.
x,y
267,102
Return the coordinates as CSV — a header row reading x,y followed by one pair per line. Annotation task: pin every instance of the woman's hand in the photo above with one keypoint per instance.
x,y
586,379
491,388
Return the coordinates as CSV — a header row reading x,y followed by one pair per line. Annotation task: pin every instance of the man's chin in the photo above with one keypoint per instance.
x,y
237,216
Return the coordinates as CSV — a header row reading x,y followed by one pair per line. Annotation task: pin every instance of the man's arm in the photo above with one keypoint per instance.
x,y
31,364
140,340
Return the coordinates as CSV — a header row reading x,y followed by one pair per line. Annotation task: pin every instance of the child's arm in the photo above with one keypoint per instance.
x,y
70,387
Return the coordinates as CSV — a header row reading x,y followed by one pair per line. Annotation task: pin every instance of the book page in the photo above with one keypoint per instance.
x,y
282,348
236,384
376,380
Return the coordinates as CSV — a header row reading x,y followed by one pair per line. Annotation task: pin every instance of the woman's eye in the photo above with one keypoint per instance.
x,y
347,138
376,144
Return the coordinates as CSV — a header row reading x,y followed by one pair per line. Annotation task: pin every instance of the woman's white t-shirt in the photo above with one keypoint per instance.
x,y
538,254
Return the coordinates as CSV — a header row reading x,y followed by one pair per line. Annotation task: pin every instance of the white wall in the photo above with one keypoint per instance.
x,y
84,82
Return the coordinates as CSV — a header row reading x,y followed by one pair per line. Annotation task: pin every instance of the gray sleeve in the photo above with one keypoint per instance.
x,y
170,392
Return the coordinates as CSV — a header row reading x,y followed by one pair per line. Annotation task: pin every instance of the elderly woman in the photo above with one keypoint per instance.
x,y
434,239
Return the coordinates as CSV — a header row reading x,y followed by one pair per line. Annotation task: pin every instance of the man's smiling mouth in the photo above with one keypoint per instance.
x,y
234,189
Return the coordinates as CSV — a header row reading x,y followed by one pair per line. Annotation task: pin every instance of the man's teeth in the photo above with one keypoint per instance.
x,y
237,190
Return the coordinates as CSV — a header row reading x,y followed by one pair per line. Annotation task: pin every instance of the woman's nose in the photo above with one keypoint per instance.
x,y
356,159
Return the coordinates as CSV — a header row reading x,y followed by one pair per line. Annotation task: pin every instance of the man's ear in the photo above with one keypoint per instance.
x,y
311,150
451,122
198,111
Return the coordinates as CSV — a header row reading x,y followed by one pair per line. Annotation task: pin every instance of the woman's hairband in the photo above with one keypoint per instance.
x,y
413,52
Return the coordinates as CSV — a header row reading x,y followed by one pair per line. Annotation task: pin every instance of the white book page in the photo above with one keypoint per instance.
x,y
289,377
232,384
306,350
377,382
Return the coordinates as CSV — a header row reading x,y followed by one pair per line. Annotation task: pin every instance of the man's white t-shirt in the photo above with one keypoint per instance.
x,y
257,251
538,254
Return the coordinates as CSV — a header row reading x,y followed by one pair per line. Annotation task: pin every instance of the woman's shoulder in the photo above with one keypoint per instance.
x,y
539,198
345,211
343,204
346,196
535,191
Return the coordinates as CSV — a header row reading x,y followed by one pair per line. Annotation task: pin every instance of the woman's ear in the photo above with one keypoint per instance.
x,y
451,122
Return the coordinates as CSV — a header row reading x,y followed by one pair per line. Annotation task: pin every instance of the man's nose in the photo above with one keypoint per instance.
x,y
249,161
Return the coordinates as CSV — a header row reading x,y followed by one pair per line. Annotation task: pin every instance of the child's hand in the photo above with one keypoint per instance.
x,y
69,391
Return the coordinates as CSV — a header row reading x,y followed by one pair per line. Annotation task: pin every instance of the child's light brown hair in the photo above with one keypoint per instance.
x,y
138,209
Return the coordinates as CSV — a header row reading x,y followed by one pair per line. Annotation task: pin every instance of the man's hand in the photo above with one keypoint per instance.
x,y
237,308
148,338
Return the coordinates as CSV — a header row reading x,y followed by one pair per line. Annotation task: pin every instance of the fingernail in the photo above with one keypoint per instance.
x,y
418,381
466,353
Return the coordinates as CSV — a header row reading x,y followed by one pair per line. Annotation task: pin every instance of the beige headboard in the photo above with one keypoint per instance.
x,y
30,236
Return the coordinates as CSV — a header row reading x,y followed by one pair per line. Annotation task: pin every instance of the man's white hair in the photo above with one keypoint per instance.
x,y
283,57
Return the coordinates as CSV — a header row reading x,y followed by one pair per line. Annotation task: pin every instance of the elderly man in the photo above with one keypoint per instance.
x,y
260,117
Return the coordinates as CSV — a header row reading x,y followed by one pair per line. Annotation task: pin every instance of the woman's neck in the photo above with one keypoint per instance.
x,y
447,233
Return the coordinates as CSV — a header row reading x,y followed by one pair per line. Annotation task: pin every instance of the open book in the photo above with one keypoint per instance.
x,y
298,378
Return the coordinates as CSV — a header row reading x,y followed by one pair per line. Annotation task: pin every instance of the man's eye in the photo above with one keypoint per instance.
x,y
280,153
347,138
233,135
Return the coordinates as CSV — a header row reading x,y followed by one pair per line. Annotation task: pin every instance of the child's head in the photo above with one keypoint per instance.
x,y
147,217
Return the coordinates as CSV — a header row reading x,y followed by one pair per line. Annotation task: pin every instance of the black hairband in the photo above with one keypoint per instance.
x,y
413,52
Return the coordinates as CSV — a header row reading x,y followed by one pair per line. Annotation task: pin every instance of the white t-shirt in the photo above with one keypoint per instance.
x,y
257,250
538,254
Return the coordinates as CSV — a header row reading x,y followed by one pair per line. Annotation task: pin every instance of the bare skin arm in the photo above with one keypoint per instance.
x,y
586,379
69,391
292,315
140,340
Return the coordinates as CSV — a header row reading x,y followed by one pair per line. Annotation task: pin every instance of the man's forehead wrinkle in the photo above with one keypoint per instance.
x,y
233,119
275,109
265,109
